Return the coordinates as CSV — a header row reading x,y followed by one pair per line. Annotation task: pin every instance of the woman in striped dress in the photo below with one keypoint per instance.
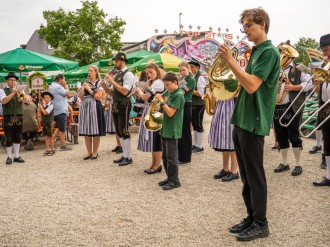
x,y
91,116
151,141
221,139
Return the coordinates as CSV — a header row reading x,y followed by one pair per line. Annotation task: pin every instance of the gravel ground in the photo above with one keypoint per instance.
x,y
65,201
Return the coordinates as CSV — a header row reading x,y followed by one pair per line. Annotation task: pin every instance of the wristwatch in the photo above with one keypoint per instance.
x,y
164,103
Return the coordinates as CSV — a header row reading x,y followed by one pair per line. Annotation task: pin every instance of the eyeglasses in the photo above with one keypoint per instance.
x,y
246,27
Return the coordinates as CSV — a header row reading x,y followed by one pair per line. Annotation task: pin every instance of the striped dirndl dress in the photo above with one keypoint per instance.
x,y
221,131
91,117
110,126
148,141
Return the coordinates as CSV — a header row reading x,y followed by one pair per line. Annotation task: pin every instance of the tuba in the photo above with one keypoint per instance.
x,y
287,52
216,90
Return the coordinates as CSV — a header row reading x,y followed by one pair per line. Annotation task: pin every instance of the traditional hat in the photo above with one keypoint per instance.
x,y
11,74
194,62
121,56
325,40
47,93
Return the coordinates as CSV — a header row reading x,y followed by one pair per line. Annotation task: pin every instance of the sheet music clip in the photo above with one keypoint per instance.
x,y
304,69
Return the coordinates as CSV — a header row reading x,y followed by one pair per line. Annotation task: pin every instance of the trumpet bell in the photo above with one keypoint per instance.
x,y
157,117
287,52
152,125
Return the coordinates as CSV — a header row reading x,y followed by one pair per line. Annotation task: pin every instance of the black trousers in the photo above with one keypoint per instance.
x,y
185,142
197,117
324,113
250,151
290,133
13,126
170,158
120,114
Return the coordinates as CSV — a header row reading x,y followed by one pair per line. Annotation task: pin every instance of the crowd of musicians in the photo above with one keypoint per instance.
x,y
272,92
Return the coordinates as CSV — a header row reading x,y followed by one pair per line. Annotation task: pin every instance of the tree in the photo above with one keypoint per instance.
x,y
83,35
301,46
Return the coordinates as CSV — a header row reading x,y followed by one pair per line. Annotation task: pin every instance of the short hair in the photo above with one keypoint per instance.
x,y
59,77
170,76
258,15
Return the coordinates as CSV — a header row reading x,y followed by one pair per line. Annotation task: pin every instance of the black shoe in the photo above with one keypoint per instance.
x,y
184,163
94,157
119,150
315,149
296,171
115,149
281,168
230,176
9,161
323,162
125,162
324,182
171,185
198,150
221,174
162,183
19,160
193,147
152,171
253,232
240,227
87,157
119,160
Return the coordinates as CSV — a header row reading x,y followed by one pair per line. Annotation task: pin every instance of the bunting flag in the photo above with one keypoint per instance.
x,y
314,55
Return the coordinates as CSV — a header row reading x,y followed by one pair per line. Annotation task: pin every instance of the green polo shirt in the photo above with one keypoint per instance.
x,y
172,126
254,112
191,84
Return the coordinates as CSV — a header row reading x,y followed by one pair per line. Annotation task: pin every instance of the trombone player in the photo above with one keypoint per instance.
x,y
291,82
324,96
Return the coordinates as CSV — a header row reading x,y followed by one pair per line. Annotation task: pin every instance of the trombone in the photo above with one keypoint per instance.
x,y
321,74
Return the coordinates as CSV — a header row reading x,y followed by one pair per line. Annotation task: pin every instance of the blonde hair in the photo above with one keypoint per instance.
x,y
96,69
157,69
185,64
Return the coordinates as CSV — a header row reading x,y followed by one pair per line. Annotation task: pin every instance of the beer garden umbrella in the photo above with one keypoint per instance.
x,y
21,60
79,74
168,61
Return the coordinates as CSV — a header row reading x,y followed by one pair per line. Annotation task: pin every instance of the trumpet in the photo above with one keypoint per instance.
x,y
105,79
318,74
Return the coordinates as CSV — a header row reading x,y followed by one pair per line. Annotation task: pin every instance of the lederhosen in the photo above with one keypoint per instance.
x,y
12,119
121,108
323,114
290,133
198,108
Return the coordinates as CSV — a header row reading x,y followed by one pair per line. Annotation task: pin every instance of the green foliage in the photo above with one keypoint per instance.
x,y
301,46
83,35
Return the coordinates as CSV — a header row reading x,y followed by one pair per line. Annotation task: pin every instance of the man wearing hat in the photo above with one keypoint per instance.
x,y
324,96
122,84
292,81
198,107
12,104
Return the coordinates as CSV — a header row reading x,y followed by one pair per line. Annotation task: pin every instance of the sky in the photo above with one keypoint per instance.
x,y
289,19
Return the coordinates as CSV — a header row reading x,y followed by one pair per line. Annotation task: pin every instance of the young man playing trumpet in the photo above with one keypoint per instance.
x,y
291,82
324,96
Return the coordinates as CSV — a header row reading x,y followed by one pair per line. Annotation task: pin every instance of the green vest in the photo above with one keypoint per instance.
x,y
49,118
14,106
196,100
294,78
117,96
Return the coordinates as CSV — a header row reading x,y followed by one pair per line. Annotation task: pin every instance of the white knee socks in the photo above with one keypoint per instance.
x,y
16,149
199,142
9,149
284,155
327,160
127,148
297,155
318,137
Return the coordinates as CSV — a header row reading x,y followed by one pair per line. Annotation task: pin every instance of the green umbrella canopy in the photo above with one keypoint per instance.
x,y
168,61
21,60
131,57
79,74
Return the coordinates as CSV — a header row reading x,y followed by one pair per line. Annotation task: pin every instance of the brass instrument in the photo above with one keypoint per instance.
x,y
318,74
287,52
153,120
218,72
210,101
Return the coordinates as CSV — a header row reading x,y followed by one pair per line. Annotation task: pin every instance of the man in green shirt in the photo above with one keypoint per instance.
x,y
171,130
252,118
